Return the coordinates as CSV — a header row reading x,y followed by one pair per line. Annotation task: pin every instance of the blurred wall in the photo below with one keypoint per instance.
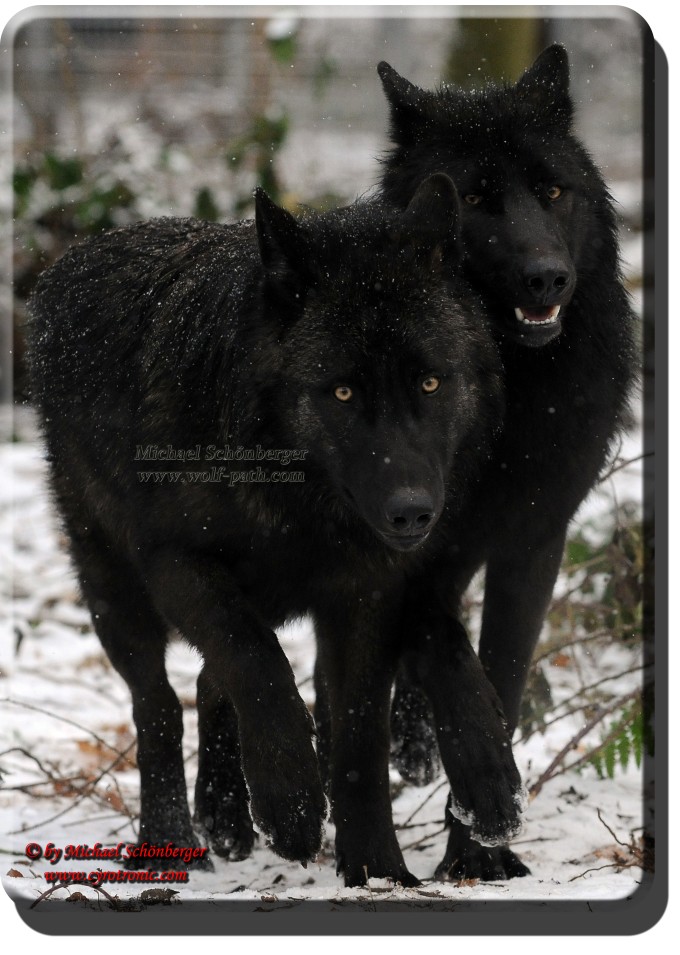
x,y
119,119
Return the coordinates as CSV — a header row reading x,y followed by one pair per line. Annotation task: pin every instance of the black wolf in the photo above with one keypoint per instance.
x,y
539,240
345,339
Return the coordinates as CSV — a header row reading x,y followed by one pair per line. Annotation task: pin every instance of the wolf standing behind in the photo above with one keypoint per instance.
x,y
540,245
348,336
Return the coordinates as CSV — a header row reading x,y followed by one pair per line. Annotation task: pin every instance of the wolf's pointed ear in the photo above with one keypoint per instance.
x,y
283,249
407,101
431,220
279,236
546,83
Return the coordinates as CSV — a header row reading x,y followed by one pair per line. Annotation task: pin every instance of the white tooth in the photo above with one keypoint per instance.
x,y
552,316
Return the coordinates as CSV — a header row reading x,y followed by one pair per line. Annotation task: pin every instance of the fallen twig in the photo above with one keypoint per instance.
x,y
89,791
424,838
65,719
67,885
423,803
609,865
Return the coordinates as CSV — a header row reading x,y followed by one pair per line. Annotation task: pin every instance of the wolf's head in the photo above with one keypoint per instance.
x,y
536,219
379,361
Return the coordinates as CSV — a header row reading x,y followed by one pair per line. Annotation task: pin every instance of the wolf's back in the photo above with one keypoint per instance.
x,y
155,295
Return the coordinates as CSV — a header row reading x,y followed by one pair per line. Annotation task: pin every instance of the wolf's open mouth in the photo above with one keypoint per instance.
x,y
538,316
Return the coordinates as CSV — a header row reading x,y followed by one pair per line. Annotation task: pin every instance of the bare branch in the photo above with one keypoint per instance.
x,y
552,771
423,803
64,719
623,464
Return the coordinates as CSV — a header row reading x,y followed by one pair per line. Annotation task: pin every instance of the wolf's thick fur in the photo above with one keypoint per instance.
x,y
345,339
538,231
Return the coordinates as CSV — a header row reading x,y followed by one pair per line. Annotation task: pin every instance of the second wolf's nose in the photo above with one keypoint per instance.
x,y
545,278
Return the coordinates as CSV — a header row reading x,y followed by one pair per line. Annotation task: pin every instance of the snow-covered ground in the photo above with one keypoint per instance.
x,y
66,714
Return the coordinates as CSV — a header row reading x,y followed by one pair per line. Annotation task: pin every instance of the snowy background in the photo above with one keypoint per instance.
x,y
68,741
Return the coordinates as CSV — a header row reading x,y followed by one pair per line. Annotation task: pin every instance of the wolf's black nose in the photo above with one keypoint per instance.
x,y
409,511
545,277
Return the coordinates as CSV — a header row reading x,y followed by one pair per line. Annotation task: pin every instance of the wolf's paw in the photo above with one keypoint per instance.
x,y
291,820
487,794
489,802
414,752
165,820
467,859
287,801
358,860
228,830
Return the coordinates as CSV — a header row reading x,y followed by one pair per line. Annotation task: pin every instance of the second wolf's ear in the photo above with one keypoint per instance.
x,y
431,221
407,102
546,83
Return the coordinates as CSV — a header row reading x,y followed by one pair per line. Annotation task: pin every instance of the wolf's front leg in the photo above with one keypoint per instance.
x,y
246,666
473,738
357,656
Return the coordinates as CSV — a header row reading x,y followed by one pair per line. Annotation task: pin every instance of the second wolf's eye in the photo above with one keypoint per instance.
x,y
430,384
553,192
343,393
472,199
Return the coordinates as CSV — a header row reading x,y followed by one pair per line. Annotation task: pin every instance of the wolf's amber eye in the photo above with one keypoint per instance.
x,y
343,393
430,384
553,192
472,199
